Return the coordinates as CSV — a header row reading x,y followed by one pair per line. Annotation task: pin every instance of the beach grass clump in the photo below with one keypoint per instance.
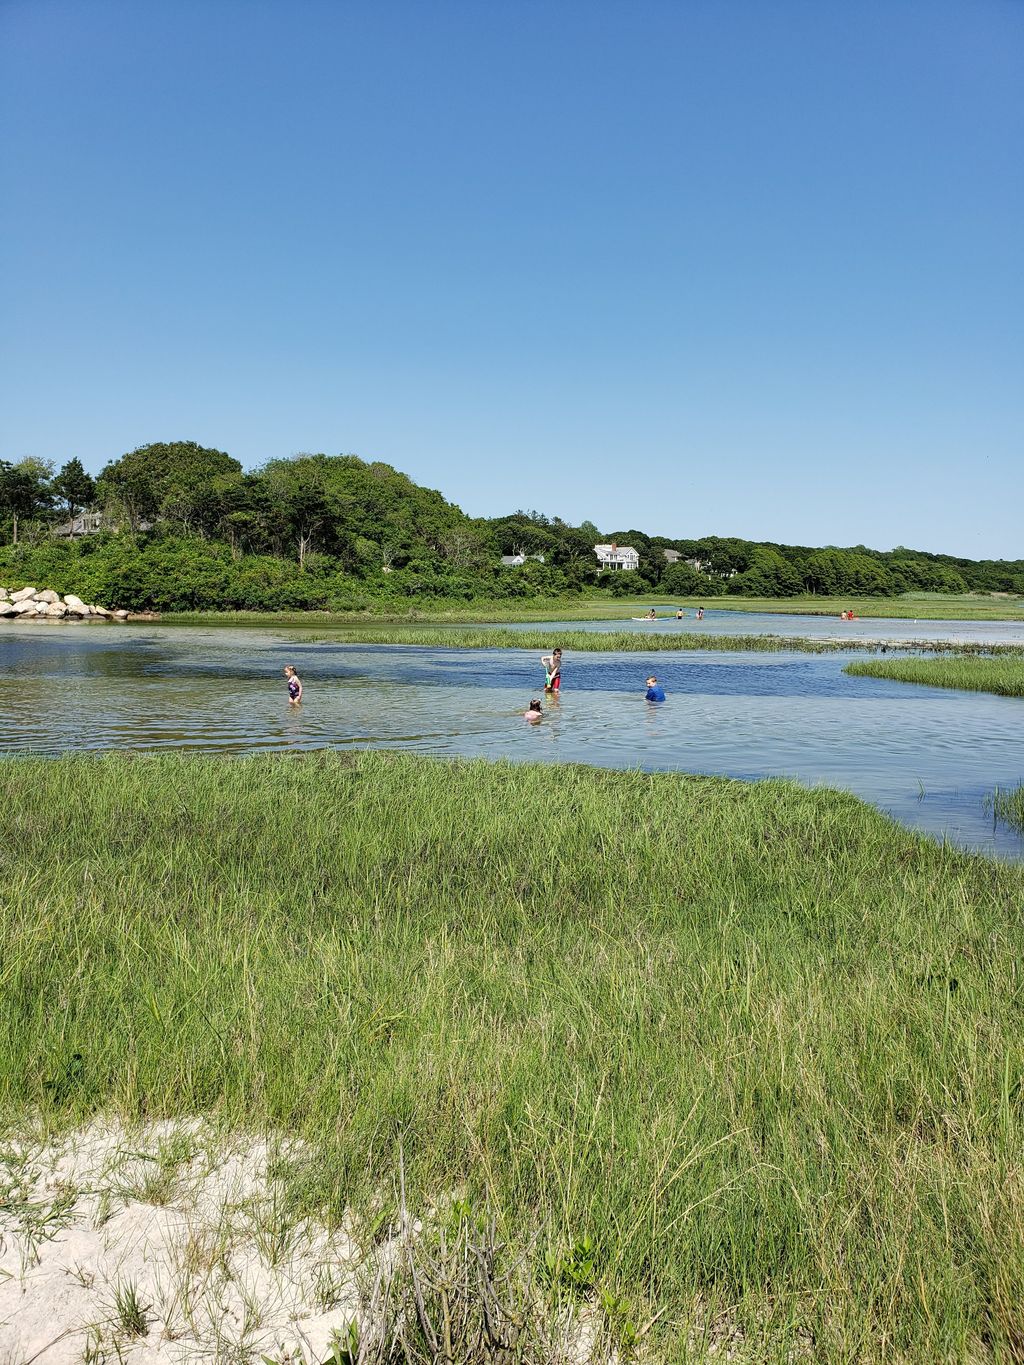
x,y
1008,806
731,1065
1002,673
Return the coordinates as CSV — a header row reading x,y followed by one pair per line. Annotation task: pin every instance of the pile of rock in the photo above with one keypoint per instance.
x,y
29,604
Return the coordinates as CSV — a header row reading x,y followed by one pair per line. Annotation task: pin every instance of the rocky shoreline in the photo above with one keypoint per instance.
x,y
44,604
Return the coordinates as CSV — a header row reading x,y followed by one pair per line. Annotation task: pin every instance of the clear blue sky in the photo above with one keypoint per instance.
x,y
712,267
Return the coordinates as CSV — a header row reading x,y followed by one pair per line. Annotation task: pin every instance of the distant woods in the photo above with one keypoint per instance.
x,y
178,526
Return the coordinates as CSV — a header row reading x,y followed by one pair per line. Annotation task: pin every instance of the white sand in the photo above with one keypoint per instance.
x,y
195,1225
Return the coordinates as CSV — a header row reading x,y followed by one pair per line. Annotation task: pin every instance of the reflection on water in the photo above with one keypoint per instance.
x,y
926,755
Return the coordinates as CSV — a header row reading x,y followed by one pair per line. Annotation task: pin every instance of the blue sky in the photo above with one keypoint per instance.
x,y
712,267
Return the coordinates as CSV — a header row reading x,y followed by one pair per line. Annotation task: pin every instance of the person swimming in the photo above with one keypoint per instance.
x,y
533,712
552,670
294,685
655,691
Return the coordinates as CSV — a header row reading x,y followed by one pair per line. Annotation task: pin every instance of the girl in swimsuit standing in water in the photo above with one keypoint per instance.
x,y
294,685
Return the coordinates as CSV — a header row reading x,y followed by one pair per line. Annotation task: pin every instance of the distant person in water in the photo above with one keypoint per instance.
x,y
533,712
294,685
680,614
552,670
700,613
652,615
655,691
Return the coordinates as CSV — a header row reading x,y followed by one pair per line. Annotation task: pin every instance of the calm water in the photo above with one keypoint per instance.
x,y
927,756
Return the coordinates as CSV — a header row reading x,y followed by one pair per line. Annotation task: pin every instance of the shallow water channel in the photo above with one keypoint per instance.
x,y
926,755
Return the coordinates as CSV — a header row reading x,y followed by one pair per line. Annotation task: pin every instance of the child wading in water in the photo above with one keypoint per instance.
x,y
533,712
294,685
553,670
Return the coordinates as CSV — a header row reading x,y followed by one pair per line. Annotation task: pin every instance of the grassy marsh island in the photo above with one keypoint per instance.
x,y
731,1065
1003,674
627,641
580,641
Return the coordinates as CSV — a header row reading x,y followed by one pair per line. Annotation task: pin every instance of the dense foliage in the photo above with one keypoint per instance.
x,y
184,527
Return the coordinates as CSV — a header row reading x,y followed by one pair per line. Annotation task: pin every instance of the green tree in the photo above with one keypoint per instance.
x,y
74,488
297,502
767,575
682,580
24,492
180,482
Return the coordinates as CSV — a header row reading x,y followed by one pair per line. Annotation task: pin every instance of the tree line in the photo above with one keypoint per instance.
x,y
184,527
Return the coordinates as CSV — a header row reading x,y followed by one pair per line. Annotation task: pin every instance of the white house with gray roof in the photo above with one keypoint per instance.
x,y
617,556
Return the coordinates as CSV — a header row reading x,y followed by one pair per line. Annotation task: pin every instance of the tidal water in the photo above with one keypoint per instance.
x,y
927,756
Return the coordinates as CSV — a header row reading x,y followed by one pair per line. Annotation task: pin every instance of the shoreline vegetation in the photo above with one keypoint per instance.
x,y
975,607
176,526
965,672
728,1065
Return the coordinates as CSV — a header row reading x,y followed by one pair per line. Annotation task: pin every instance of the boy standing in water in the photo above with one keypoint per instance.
x,y
294,685
553,670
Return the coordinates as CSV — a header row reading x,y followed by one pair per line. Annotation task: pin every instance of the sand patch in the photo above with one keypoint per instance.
x,y
166,1245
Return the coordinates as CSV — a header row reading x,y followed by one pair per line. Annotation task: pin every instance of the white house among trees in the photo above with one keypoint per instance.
x,y
617,556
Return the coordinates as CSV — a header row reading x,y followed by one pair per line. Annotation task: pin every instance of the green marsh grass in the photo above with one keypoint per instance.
x,y
1008,806
744,1060
580,641
972,673
621,641
924,607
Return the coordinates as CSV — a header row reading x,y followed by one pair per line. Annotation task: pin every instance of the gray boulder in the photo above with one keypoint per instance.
x,y
48,596
23,595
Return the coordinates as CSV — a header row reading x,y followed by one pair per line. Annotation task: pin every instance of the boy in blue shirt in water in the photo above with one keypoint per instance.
x,y
655,691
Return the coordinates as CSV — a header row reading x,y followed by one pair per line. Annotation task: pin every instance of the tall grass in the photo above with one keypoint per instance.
x,y
623,641
580,641
1008,806
743,1058
971,673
